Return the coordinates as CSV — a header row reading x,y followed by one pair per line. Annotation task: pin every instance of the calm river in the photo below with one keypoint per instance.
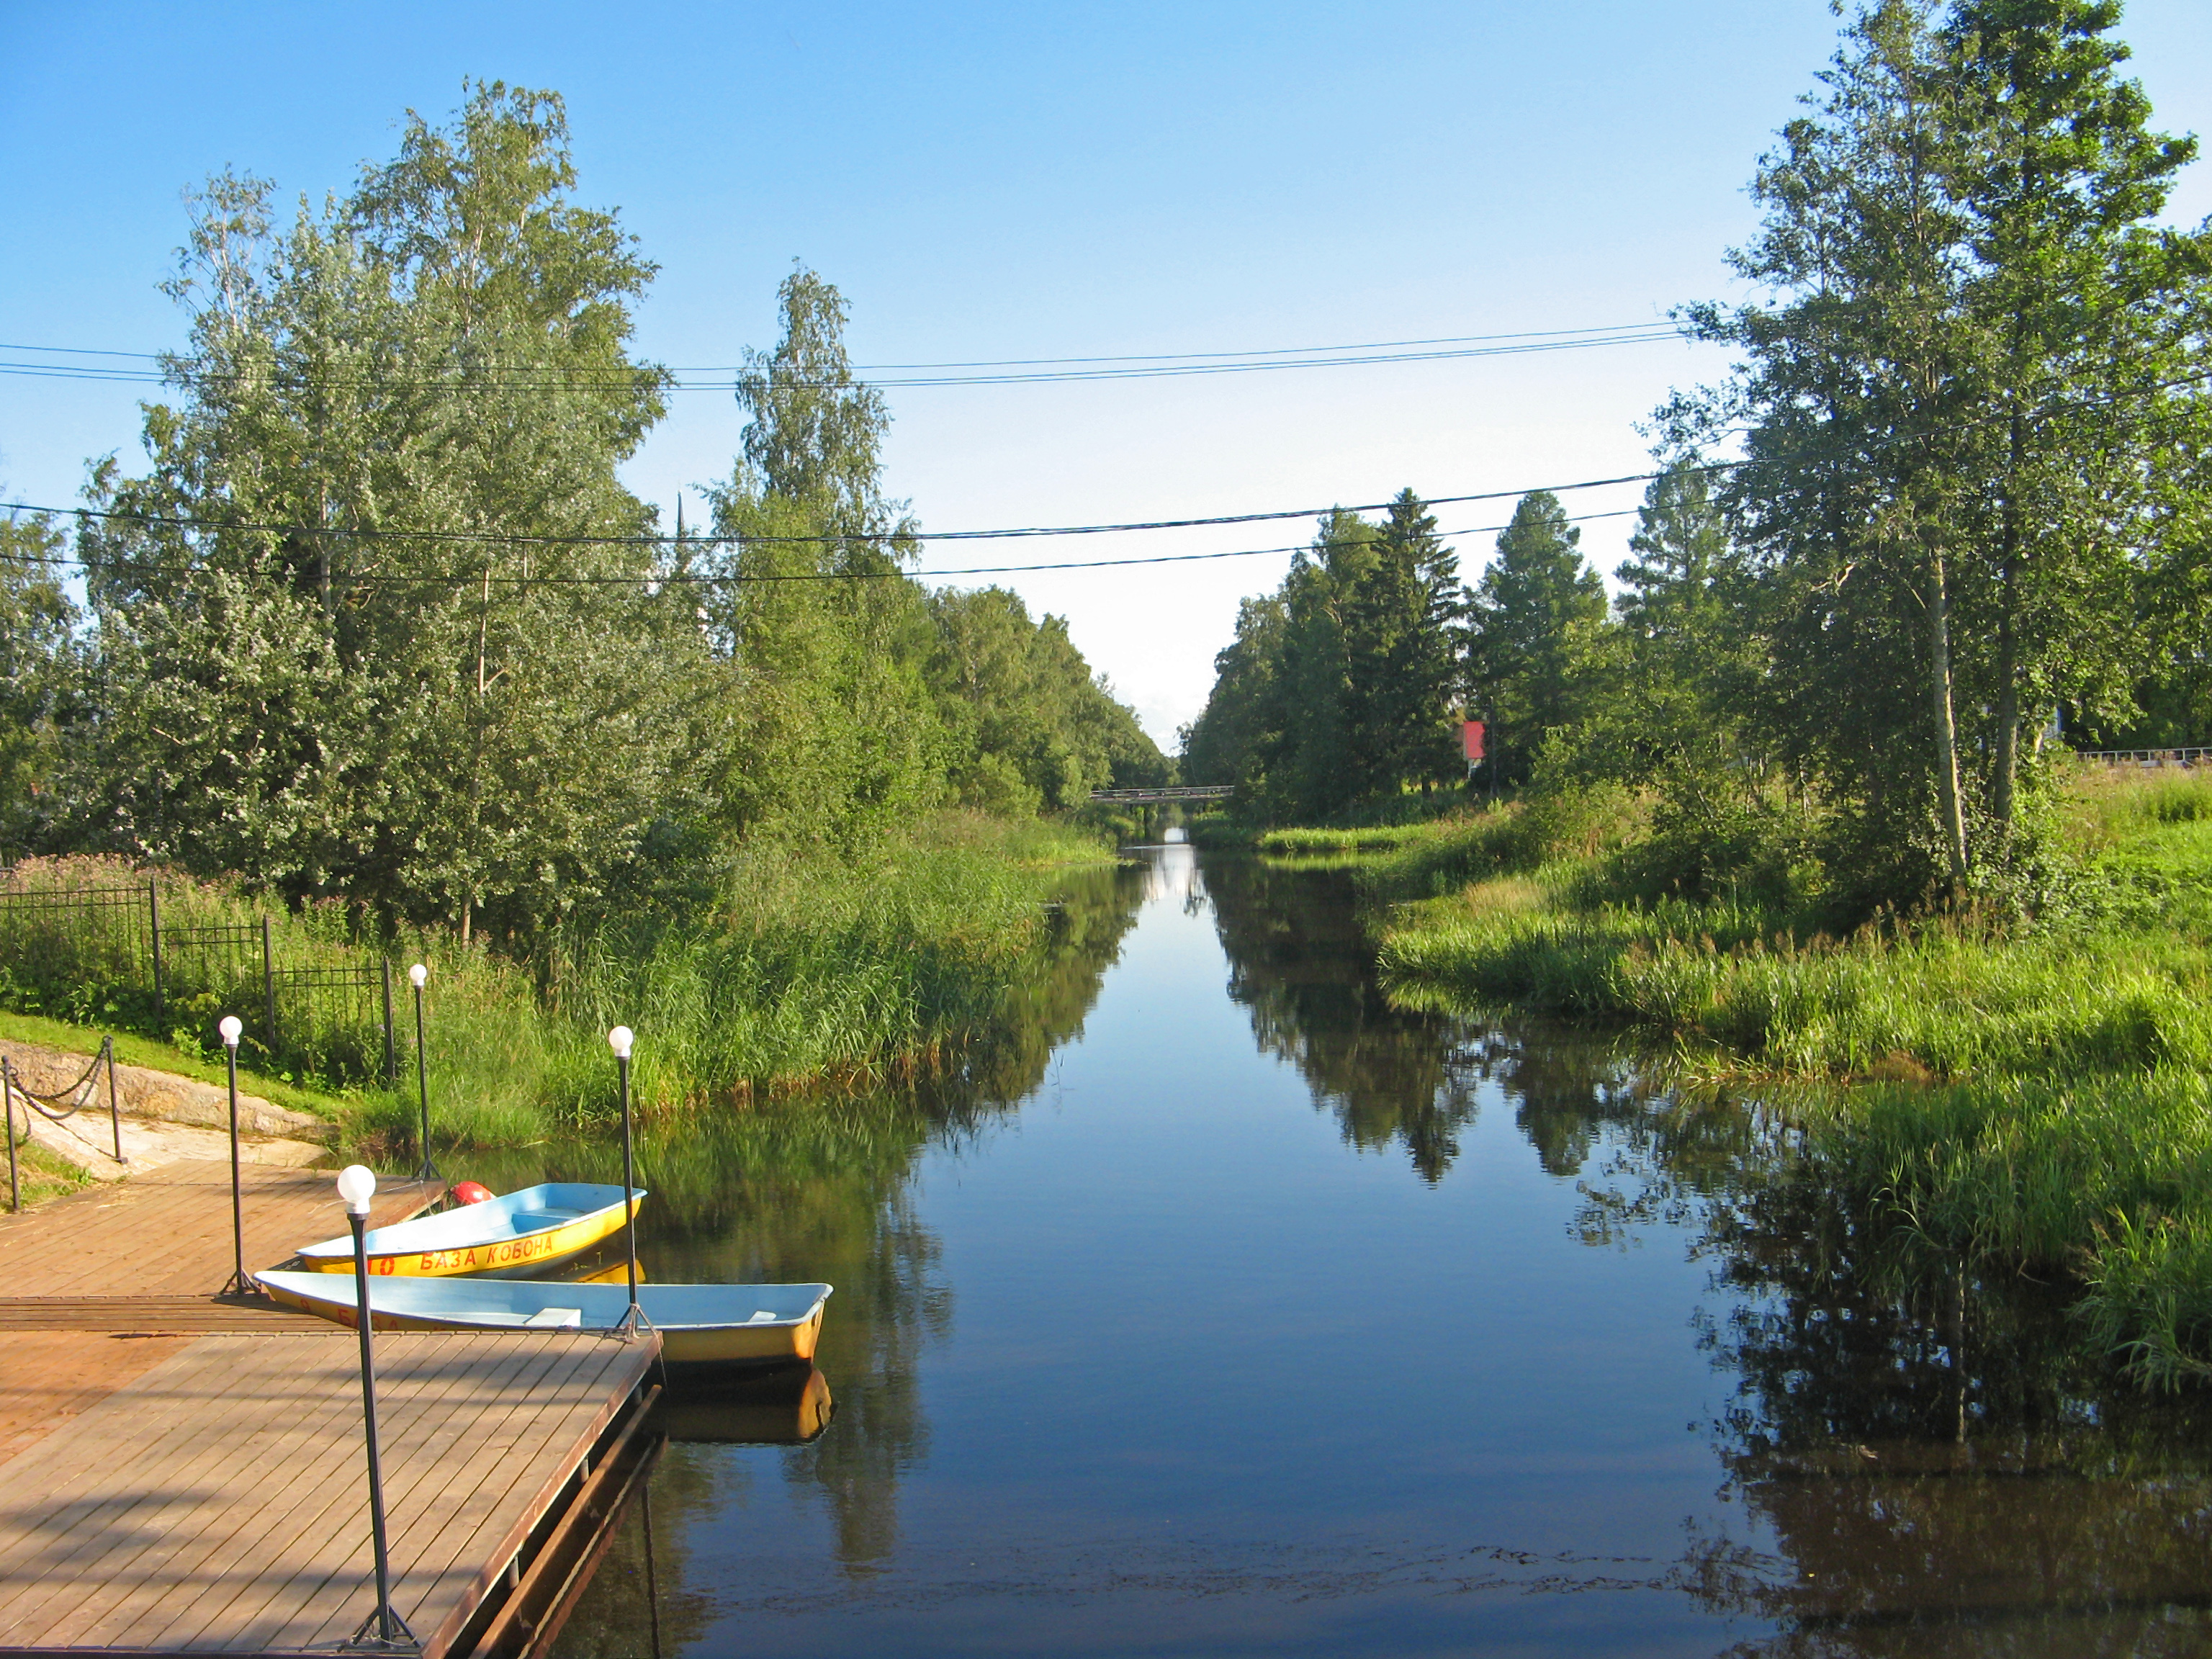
x,y
1222,1310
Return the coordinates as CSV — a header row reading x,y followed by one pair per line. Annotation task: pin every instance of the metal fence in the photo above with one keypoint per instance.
x,y
333,1019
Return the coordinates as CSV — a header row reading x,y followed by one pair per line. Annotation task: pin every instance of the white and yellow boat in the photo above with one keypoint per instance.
x,y
503,1237
729,1327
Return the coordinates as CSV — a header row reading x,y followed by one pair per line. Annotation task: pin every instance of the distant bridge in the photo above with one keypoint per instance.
x,y
1172,792
2148,757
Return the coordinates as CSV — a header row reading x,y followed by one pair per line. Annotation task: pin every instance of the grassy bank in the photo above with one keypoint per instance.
x,y
2028,1096
804,969
41,1175
2120,980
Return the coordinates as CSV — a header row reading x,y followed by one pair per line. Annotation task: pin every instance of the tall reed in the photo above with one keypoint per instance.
x,y
806,968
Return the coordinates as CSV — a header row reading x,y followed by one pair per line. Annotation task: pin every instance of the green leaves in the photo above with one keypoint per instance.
x,y
437,729
38,655
1956,405
849,699
1344,686
1538,615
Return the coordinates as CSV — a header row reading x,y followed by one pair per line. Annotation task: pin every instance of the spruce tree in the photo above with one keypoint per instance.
x,y
1538,613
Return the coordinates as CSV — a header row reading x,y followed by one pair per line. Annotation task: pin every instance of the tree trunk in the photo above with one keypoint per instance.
x,y
1947,803
2003,787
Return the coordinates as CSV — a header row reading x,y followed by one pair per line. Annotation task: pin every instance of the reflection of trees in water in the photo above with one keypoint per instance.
x,y
1924,1466
1299,962
1941,1467
815,1188
1003,1063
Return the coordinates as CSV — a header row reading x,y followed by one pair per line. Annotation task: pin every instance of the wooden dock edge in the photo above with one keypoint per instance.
x,y
502,1603
541,1587
517,1604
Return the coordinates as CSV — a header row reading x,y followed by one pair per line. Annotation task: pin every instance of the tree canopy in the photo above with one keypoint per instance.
x,y
1951,498
380,622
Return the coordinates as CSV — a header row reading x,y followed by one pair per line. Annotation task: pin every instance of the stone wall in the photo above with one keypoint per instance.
x,y
141,1092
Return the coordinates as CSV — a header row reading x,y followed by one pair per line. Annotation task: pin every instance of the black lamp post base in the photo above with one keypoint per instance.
x,y
632,1325
366,1640
427,1173
241,1284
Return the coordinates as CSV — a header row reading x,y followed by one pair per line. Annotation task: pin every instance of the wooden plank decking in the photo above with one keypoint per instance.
x,y
104,1277
50,1376
167,1232
183,1471
216,1504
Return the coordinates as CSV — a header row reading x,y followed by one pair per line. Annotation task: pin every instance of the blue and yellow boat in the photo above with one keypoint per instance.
x,y
509,1237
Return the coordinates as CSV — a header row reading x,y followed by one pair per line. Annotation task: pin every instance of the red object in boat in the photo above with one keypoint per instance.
x,y
474,1192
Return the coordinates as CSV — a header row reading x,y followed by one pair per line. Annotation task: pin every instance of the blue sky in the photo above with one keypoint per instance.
x,y
1020,181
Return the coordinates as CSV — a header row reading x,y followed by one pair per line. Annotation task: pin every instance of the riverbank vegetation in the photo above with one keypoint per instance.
x,y
41,1175
1986,1091
1796,798
799,970
378,642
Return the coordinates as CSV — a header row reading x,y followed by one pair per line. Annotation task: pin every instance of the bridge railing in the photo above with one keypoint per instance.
x,y
1169,792
2201,756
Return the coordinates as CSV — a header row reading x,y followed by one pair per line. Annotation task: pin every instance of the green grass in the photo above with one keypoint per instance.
x,y
133,1050
41,1175
2035,1098
808,969
1928,1003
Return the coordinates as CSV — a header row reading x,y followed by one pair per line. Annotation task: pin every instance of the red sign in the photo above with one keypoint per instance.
x,y
1470,735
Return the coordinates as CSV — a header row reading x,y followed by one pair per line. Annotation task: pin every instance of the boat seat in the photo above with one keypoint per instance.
x,y
555,1319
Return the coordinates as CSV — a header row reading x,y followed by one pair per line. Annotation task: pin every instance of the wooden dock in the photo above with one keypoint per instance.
x,y
184,1472
167,1232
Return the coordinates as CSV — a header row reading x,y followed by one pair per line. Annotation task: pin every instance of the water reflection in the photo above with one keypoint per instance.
x,y
1298,963
1937,1465
1907,1467
783,1413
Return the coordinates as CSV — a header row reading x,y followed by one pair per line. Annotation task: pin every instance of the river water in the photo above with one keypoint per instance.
x,y
1218,1309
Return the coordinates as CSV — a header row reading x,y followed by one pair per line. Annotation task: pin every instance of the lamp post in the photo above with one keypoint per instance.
x,y
415,976
384,1630
619,1040
8,1104
239,1284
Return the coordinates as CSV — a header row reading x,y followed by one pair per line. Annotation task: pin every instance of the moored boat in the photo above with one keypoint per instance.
x,y
513,1234
726,1326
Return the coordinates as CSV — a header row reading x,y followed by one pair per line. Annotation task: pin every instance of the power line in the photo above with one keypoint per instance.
x,y
1011,372
1600,334
510,539
714,579
848,538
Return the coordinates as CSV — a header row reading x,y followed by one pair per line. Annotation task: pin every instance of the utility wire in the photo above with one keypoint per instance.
x,y
646,377
739,578
506,539
500,538
1565,335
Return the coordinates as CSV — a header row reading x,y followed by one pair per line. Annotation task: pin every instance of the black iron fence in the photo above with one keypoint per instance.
x,y
113,954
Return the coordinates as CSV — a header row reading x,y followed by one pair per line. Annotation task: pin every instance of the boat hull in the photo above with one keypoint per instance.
x,y
698,1327
440,1247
